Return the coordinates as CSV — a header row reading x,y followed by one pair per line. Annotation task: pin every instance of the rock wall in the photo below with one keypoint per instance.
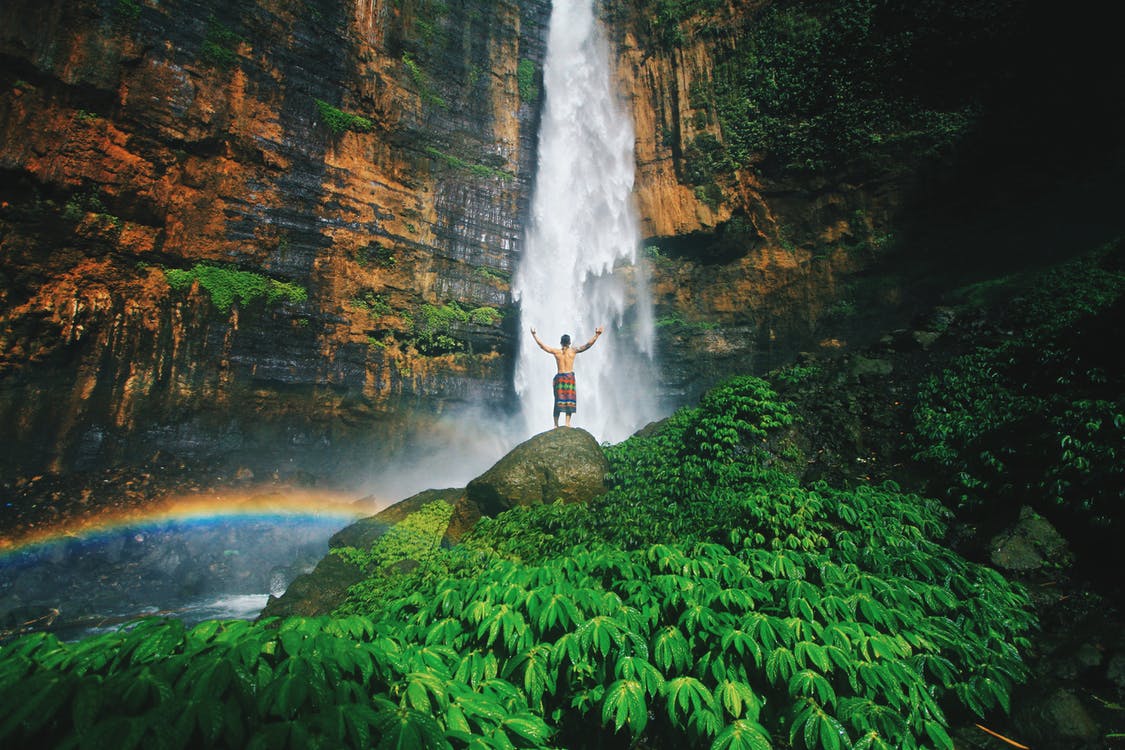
x,y
371,164
375,154
747,277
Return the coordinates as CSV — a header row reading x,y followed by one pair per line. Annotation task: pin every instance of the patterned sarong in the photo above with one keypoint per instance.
x,y
566,397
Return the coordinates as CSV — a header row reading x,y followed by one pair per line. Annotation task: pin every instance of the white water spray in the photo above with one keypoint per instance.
x,y
579,268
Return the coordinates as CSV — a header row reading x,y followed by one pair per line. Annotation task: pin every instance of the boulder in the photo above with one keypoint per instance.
x,y
1030,544
562,464
366,531
316,593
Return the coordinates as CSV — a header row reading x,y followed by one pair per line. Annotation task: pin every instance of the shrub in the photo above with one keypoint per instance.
x,y
1039,415
525,76
219,44
706,601
225,285
339,121
434,327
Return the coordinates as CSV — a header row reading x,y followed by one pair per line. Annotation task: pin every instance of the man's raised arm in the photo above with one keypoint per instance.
x,y
542,346
597,332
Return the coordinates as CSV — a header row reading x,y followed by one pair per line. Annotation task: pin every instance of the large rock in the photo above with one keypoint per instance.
x,y
1029,545
366,531
563,464
326,587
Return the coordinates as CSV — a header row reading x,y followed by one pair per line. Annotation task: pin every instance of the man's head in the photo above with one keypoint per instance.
x,y
565,341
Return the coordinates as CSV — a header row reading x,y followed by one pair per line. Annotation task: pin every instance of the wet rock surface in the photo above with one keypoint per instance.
x,y
562,464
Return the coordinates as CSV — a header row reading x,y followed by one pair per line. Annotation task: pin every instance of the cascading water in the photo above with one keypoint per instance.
x,y
578,269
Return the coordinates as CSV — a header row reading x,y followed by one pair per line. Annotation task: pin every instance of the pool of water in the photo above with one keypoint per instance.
x,y
199,568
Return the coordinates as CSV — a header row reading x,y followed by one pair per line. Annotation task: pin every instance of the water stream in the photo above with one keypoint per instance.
x,y
579,268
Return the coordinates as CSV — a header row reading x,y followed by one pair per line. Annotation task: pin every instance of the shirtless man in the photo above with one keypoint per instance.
x,y
565,395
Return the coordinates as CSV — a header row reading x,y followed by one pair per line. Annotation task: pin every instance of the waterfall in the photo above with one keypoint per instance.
x,y
579,267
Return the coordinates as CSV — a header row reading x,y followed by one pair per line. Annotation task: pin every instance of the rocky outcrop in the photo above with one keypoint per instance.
x,y
366,531
564,464
749,272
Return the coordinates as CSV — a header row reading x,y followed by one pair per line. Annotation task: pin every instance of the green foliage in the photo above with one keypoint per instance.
x,y
668,16
225,285
219,45
422,82
839,83
1039,415
295,684
707,600
528,87
680,326
797,373
339,121
704,159
128,10
434,327
376,305
485,316
416,538
480,170
375,254
494,276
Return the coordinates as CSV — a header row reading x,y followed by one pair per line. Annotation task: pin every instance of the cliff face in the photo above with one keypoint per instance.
x,y
364,164
282,234
747,271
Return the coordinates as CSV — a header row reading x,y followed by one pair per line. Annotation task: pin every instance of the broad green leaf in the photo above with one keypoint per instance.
x,y
625,704
743,735
937,734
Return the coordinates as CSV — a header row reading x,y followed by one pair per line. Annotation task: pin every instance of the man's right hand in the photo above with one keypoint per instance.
x,y
533,330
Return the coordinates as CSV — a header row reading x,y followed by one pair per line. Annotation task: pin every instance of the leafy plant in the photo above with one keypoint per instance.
x,y
707,600
480,170
375,254
485,316
219,44
128,10
376,305
1039,414
225,285
525,76
796,373
339,121
422,82
433,326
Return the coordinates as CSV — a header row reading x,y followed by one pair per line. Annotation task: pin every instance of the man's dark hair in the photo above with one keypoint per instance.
x,y
565,341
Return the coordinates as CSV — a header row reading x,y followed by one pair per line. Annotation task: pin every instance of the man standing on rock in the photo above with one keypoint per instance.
x,y
566,397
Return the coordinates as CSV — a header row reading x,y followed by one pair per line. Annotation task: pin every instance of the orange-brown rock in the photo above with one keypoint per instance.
x,y
141,136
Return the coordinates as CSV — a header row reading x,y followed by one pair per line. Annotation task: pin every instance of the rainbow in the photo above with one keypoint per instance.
x,y
201,508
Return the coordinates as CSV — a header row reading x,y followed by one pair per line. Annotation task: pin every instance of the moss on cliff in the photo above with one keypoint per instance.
x,y
225,285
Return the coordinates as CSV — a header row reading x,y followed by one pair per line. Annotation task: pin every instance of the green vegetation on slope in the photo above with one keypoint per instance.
x,y
833,84
708,600
1038,416
339,121
225,285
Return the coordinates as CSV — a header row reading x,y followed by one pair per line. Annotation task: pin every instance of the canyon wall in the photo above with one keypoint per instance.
x,y
279,235
334,191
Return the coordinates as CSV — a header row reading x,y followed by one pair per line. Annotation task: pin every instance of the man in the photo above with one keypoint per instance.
x,y
566,397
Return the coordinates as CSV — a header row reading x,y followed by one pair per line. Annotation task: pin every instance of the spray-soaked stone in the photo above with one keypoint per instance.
x,y
563,464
